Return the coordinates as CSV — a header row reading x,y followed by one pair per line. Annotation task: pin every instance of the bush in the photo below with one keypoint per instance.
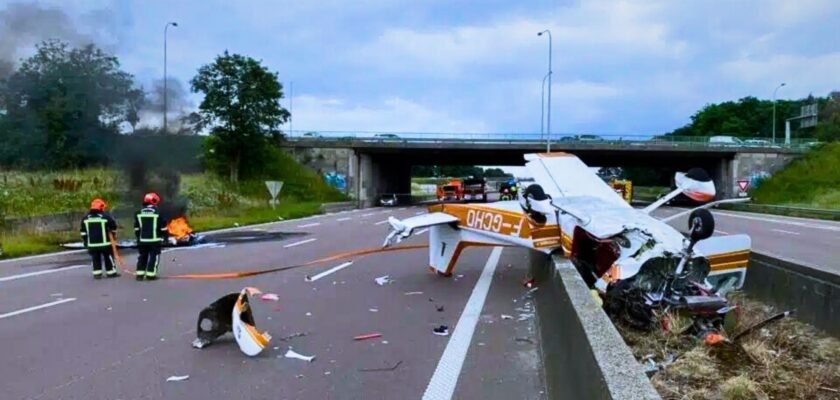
x,y
811,180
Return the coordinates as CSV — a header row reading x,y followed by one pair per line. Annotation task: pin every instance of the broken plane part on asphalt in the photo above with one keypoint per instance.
x,y
231,313
637,262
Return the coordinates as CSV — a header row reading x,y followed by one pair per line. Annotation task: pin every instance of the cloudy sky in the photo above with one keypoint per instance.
x,y
620,67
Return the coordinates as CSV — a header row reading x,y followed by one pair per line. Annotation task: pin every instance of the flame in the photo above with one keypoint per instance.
x,y
179,228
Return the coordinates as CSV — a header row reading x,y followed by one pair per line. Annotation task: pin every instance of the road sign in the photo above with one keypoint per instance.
x,y
273,190
808,116
743,184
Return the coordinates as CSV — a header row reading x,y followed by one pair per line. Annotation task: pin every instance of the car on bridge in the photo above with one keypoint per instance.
x,y
386,136
725,141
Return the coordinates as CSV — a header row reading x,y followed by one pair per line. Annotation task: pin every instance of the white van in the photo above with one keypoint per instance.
x,y
725,141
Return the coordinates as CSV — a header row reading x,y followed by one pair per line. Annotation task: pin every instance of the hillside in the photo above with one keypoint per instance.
x,y
811,181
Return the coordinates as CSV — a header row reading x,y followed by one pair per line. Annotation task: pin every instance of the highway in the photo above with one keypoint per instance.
x,y
64,335
815,243
67,336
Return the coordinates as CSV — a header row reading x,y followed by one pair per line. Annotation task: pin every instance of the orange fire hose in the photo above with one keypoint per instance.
x,y
338,256
116,252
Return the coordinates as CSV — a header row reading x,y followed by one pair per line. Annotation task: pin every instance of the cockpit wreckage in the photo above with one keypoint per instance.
x,y
638,264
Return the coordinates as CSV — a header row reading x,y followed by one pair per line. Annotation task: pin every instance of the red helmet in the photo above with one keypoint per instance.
x,y
98,204
151,198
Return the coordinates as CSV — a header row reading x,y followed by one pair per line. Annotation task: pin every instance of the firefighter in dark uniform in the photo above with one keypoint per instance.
x,y
97,229
151,232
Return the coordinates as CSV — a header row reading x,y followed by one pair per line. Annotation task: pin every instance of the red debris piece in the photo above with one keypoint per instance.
x,y
368,336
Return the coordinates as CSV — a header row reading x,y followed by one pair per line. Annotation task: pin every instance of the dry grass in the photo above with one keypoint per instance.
x,y
786,359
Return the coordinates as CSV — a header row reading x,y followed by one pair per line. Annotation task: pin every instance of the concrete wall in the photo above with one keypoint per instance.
x,y
752,166
327,160
812,293
583,354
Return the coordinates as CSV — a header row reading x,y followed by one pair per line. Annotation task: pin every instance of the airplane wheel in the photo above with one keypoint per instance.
x,y
701,224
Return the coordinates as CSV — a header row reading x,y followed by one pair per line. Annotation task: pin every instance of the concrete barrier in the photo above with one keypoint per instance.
x,y
583,354
814,294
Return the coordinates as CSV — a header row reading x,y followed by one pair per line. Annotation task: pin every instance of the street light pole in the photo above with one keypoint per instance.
x,y
774,111
548,123
165,89
542,108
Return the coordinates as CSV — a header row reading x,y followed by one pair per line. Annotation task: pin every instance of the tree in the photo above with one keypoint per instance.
x,y
63,106
242,107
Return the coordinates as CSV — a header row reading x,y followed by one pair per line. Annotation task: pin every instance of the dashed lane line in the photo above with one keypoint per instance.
x,y
300,243
330,271
38,307
44,272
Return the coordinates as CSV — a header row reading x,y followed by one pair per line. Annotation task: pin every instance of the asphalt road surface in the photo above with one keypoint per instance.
x,y
812,242
64,335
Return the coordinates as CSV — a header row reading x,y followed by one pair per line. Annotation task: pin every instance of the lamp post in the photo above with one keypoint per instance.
x,y
774,110
165,89
548,123
542,107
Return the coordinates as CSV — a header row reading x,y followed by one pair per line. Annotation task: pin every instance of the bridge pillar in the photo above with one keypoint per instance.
x,y
366,180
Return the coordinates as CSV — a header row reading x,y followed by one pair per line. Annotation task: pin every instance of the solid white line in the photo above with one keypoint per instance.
x,y
721,232
419,212
422,231
381,222
331,270
443,382
309,225
26,310
300,243
344,219
785,232
367,215
44,272
788,221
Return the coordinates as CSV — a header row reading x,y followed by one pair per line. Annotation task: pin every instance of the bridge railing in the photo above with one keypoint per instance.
x,y
560,139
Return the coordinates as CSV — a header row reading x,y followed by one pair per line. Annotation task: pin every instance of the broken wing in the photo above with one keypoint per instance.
x,y
401,229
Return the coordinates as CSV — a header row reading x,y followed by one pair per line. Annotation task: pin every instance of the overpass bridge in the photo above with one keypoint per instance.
x,y
381,163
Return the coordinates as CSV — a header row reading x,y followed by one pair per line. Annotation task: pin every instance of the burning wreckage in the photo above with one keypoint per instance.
x,y
180,234
638,264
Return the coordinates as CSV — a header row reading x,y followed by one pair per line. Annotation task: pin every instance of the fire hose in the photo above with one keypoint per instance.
x,y
244,274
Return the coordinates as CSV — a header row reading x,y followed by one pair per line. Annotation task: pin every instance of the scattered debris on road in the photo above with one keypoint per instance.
x,y
442,330
177,378
366,336
373,309
505,316
270,297
293,335
383,280
395,366
56,294
231,313
439,308
292,354
412,293
524,340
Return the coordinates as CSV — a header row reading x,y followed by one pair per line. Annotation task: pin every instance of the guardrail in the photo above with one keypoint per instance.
x,y
536,138
791,211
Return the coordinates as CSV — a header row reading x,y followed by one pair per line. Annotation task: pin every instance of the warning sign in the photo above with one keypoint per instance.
x,y
743,185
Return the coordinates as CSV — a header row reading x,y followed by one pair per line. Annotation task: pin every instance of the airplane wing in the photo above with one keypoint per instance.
x,y
401,229
564,175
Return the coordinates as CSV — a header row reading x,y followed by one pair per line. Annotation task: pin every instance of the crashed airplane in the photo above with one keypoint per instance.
x,y
636,262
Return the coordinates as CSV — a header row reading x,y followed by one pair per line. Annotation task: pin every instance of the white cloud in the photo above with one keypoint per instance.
x,y
391,114
803,74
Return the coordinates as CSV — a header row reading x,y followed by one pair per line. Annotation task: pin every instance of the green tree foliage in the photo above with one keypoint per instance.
x,y
242,107
750,117
828,129
63,107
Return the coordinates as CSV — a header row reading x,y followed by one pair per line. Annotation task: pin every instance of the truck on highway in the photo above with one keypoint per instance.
x,y
450,191
475,189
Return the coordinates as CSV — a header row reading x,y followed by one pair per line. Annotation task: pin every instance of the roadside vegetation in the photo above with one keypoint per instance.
x,y
787,359
811,181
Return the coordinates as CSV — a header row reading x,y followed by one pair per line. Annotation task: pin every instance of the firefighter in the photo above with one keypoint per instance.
x,y
150,231
97,230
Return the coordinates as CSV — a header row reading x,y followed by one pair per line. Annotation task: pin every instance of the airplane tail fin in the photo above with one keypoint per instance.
x,y
445,246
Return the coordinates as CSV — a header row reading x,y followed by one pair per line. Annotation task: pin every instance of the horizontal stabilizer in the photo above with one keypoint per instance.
x,y
401,229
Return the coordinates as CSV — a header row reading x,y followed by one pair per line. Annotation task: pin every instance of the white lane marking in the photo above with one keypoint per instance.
x,y
443,382
419,212
403,208
367,215
309,225
344,219
300,243
785,232
381,222
422,231
784,221
30,309
44,272
331,270
721,232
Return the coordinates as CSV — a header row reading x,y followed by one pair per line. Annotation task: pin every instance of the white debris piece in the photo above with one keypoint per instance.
x,y
270,297
505,316
199,343
373,309
382,280
177,378
292,354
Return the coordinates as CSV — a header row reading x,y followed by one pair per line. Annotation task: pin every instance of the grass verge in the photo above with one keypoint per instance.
x,y
22,244
810,181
